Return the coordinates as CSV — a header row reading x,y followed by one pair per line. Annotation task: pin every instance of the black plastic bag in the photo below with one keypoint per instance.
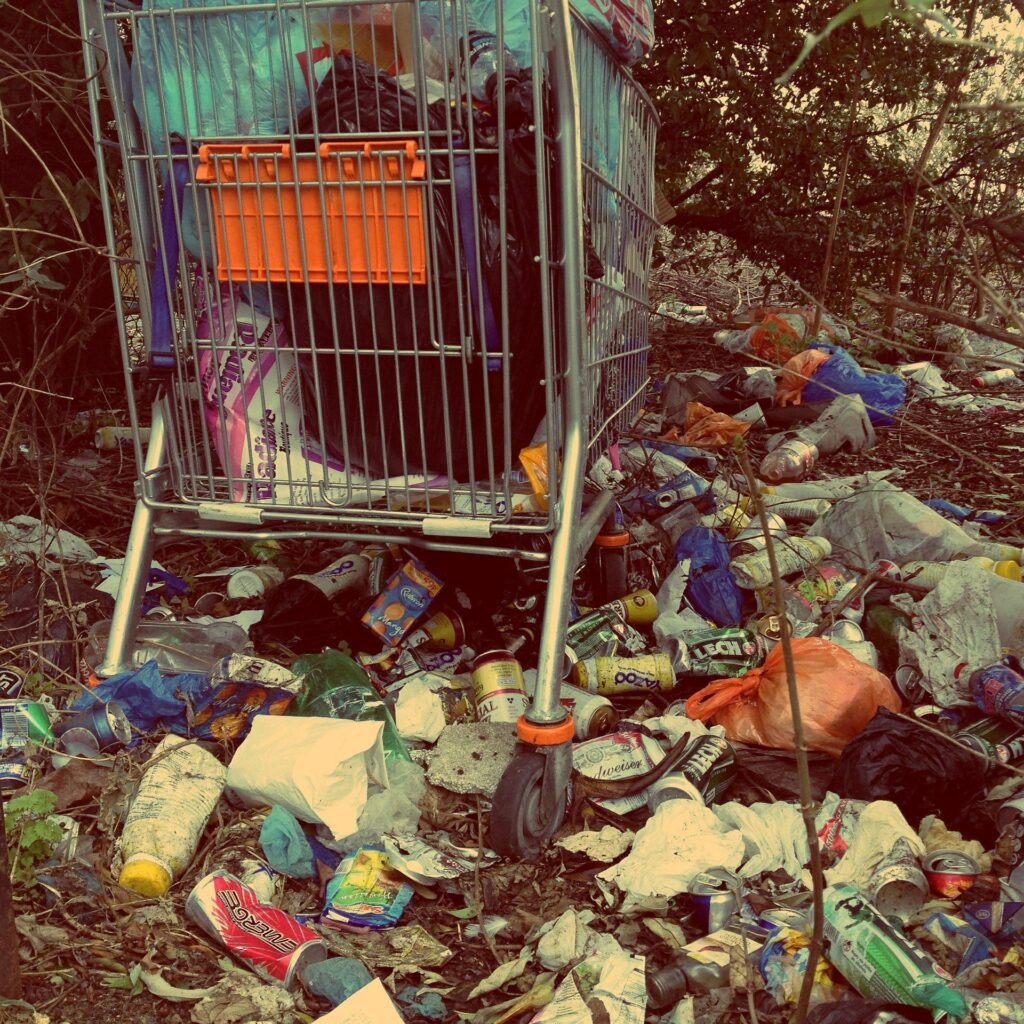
x,y
867,1011
391,400
893,759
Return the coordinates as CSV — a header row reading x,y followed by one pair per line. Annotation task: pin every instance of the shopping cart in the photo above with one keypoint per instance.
x,y
369,274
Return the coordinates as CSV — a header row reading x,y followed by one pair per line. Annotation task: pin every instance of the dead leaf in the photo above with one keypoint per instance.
x,y
243,998
75,783
540,995
409,946
40,935
502,975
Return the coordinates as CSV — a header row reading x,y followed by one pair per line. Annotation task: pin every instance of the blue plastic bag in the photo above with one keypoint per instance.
x,y
711,589
883,393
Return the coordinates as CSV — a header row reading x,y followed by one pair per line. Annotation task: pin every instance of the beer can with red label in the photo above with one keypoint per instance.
x,y
270,941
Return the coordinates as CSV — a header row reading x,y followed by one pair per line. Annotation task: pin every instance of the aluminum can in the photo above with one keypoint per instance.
x,y
999,690
907,680
999,739
897,886
14,771
1010,810
443,631
638,609
950,872
724,652
609,676
710,764
23,722
592,714
268,940
11,681
714,895
106,723
990,377
595,635
499,687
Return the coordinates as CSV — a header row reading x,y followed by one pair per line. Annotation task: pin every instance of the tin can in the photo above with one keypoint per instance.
x,y
907,680
1010,810
499,687
847,634
23,722
730,651
672,786
443,631
268,940
950,872
999,690
106,723
949,720
592,714
714,895
594,635
710,764
624,754
637,609
14,771
11,681
625,675
897,886
996,738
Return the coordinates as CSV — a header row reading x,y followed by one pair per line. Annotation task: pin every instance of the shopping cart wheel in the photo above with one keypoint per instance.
x,y
530,802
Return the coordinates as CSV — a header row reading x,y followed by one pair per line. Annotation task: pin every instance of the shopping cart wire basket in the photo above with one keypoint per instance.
x,y
372,268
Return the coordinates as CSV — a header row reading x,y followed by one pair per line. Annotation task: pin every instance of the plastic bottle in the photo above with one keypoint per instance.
x,y
794,555
792,460
337,687
174,800
484,67
990,377
176,646
302,602
254,581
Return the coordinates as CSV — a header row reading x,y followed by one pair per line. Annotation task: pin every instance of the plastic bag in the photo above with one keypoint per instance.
x,y
839,695
711,589
449,405
922,774
706,428
883,393
789,389
883,521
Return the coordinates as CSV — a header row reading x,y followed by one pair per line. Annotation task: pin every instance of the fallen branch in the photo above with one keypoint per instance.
x,y
933,313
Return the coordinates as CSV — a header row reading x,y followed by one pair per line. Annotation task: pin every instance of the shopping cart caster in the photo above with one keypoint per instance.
x,y
532,796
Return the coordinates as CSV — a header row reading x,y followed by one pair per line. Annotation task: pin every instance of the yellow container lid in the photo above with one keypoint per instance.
x,y
1008,569
146,876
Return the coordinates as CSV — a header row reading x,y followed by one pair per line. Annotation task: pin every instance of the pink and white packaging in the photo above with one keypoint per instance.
x,y
252,403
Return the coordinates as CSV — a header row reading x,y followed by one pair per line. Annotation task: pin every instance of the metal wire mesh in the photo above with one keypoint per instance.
x,y
360,260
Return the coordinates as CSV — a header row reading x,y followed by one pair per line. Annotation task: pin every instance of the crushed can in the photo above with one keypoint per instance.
x,y
999,690
950,872
266,939
714,895
726,652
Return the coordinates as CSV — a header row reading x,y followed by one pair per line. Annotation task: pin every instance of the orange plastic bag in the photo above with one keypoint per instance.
x,y
839,695
776,339
706,428
789,390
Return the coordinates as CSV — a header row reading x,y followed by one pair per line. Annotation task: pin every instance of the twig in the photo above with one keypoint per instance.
x,y
478,889
800,742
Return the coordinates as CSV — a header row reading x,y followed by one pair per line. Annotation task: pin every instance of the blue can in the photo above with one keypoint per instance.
x,y
714,895
999,690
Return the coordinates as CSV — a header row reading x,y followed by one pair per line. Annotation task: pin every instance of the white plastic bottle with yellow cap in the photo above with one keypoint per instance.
x,y
174,801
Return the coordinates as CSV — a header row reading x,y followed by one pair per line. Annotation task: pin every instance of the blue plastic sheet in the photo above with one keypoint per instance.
x,y
285,845
711,590
883,393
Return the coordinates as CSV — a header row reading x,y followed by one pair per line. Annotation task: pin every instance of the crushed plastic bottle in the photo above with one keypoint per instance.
x,y
174,800
176,646
791,461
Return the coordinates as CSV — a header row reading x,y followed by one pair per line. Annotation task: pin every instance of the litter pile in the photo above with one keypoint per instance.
x,y
303,780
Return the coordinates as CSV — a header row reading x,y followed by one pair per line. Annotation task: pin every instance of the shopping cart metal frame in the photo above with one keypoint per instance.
x,y
531,800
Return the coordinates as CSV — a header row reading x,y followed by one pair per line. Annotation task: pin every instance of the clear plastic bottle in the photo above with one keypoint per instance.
x,y
176,646
792,460
337,687
484,66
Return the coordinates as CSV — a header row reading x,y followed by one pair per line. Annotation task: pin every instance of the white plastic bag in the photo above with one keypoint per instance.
x,y
317,768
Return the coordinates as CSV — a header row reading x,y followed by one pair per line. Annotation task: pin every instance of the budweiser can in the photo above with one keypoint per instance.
x,y
499,687
268,940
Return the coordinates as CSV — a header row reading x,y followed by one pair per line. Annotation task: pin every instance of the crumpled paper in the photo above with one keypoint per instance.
x,y
419,713
604,846
680,840
957,626
24,537
570,938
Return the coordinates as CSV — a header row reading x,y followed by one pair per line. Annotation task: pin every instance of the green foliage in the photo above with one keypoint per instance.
x,y
755,149
35,834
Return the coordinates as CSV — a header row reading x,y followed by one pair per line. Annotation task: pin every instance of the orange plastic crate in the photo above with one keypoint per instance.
x,y
364,225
